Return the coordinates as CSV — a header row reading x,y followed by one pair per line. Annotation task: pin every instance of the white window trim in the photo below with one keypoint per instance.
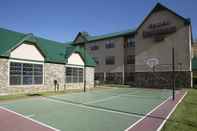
x,y
30,62
75,66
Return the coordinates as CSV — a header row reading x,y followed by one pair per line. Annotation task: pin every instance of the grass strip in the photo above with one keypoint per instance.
x,y
185,116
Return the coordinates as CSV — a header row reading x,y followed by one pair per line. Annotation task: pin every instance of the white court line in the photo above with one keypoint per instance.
x,y
93,108
35,121
160,127
143,96
147,114
102,100
108,98
30,116
123,94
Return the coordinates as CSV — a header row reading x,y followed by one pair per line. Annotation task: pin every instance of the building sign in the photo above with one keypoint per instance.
x,y
159,30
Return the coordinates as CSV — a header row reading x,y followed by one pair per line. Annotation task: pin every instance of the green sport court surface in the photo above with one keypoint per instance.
x,y
113,109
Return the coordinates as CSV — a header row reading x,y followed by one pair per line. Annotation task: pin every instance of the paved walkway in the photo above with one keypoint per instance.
x,y
155,120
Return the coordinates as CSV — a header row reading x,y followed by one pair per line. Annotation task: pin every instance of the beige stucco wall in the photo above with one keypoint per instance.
x,y
28,52
180,40
102,52
75,59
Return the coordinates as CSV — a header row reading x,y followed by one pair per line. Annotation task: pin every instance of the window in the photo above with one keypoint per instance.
x,y
25,73
74,75
109,45
15,73
130,59
68,74
110,60
80,75
38,74
114,77
93,48
99,76
110,76
130,42
130,76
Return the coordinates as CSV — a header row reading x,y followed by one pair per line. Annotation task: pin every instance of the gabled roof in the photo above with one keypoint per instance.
x,y
111,35
54,52
90,38
160,7
79,49
30,38
83,35
8,39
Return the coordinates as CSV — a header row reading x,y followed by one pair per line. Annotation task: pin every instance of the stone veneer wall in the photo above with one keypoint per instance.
x,y
3,75
90,77
5,89
162,79
51,72
54,72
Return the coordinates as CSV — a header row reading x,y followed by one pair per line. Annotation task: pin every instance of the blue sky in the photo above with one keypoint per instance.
x,y
60,20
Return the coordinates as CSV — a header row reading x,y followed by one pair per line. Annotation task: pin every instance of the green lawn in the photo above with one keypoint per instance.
x,y
185,116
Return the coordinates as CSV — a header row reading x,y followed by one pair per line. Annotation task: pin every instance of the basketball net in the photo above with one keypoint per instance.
x,y
152,62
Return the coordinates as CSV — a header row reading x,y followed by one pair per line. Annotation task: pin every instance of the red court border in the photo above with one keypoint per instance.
x,y
12,121
155,119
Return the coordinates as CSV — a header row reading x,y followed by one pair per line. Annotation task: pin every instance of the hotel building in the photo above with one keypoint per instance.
x,y
143,56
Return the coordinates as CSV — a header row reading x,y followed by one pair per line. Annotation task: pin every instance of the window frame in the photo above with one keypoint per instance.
x,y
99,76
130,42
130,60
79,78
109,44
21,76
94,47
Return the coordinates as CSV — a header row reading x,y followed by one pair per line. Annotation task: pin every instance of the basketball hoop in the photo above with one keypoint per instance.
x,y
151,62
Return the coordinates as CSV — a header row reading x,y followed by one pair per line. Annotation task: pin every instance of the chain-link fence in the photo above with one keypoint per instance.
x,y
157,76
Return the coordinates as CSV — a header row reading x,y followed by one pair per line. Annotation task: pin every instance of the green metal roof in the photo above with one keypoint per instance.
x,y
110,35
90,38
79,49
8,39
54,52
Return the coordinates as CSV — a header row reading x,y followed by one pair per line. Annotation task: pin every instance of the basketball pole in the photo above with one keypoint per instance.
x,y
84,48
173,76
